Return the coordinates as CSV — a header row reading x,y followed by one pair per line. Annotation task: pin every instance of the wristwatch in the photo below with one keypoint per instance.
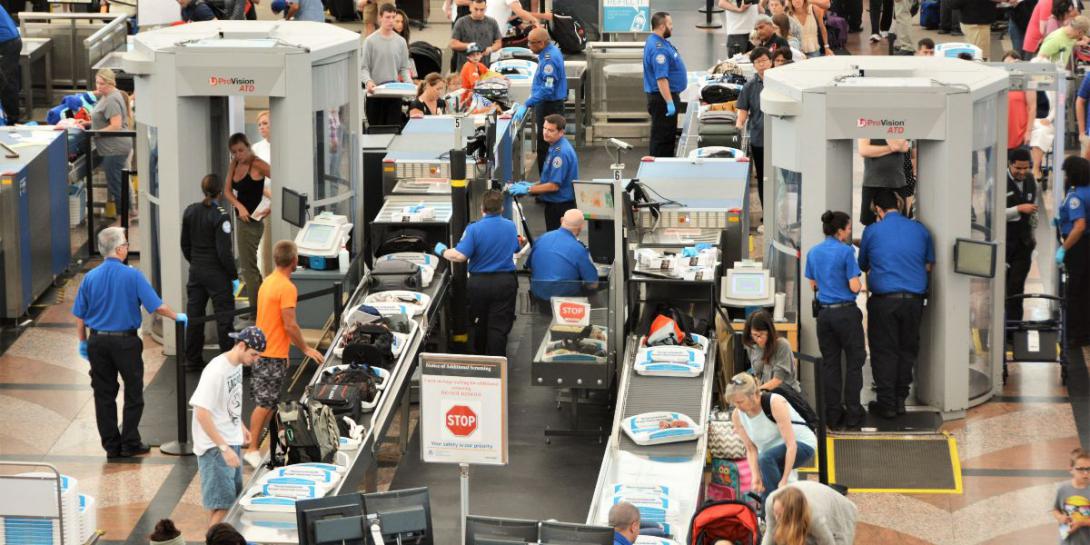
x,y
223,448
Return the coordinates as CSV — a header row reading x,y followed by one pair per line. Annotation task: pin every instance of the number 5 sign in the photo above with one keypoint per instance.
x,y
463,409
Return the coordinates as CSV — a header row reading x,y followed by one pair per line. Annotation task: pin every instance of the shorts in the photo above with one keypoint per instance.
x,y
1041,136
268,378
220,485
370,11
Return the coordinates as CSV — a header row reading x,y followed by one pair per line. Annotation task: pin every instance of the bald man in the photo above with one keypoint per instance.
x,y
549,88
625,520
560,266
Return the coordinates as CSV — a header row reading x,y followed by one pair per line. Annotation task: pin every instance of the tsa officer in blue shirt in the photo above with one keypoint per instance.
x,y
1074,253
625,520
11,46
489,245
108,304
555,190
548,89
664,77
560,265
896,253
834,277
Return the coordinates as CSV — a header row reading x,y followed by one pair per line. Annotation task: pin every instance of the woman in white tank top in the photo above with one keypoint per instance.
x,y
774,446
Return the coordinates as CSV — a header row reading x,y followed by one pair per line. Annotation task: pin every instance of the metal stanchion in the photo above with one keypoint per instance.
x,y
181,447
338,302
708,12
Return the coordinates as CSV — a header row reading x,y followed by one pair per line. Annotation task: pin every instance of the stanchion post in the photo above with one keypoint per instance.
x,y
181,447
819,394
463,471
123,206
338,303
92,249
708,12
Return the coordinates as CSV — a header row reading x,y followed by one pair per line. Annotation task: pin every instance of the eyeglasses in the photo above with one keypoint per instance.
x,y
1082,469
738,382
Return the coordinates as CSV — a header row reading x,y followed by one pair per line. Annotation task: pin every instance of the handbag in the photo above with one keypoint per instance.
x,y
723,442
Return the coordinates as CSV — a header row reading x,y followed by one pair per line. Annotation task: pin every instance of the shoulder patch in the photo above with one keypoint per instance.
x,y
557,162
226,227
548,69
660,58
1074,202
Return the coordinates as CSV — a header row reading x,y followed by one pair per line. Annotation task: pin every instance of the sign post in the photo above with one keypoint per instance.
x,y
463,414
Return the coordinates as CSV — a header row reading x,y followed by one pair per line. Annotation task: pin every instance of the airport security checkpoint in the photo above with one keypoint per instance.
x,y
805,287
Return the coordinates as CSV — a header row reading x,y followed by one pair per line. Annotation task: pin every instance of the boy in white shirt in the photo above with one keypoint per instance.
x,y
218,432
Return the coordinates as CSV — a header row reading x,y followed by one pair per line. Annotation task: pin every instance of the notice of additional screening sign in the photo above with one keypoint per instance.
x,y
463,409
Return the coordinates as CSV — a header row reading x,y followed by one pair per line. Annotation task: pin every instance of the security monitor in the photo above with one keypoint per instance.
x,y
975,257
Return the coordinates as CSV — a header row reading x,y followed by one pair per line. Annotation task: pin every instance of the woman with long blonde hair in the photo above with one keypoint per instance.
x,y
793,518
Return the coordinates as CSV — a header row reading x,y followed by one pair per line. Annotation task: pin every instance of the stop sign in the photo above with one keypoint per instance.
x,y
461,420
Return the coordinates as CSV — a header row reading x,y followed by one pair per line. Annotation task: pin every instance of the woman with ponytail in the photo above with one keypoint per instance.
x,y
429,97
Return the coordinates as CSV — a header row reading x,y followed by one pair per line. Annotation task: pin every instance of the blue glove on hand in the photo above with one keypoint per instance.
x,y
1060,253
83,350
701,246
181,317
234,285
671,110
520,112
520,188
1056,222
688,251
439,249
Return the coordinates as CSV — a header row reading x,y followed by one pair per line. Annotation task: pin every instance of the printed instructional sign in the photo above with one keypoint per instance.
x,y
626,15
463,409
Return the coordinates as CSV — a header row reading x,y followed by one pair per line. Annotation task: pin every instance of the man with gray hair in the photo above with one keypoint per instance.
x,y
625,520
107,306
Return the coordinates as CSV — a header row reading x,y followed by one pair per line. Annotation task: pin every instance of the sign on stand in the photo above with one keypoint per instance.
x,y
463,413
626,15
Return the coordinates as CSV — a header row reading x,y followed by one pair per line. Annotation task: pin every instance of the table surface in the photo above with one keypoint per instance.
x,y
31,46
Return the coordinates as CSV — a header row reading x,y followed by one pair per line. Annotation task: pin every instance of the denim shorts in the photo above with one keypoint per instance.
x,y
220,485
267,378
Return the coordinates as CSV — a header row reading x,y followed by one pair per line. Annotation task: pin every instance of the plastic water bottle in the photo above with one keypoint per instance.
x,y
343,260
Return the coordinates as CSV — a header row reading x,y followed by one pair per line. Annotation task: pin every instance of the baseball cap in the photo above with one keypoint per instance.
x,y
473,48
279,6
252,336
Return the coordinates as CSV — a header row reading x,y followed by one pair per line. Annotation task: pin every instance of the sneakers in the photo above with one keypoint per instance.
x,y
875,38
253,458
885,34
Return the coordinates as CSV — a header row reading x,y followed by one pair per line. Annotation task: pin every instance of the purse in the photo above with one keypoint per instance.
x,y
723,442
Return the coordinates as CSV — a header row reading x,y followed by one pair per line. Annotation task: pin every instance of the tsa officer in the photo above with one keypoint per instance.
x,y
549,88
560,266
896,253
108,304
1021,216
1074,253
834,276
664,78
206,245
555,189
489,245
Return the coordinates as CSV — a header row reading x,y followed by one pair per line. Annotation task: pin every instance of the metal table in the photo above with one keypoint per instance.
x,y
35,49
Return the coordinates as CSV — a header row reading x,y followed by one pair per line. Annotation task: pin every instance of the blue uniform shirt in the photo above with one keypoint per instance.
x,y
1074,208
561,167
550,82
110,296
490,244
894,252
662,60
8,30
560,265
832,264
618,539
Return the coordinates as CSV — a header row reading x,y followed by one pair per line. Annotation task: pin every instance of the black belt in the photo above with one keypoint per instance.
x,y
839,305
491,273
898,295
125,333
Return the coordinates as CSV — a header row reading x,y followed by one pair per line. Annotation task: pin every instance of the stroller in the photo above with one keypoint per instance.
x,y
732,520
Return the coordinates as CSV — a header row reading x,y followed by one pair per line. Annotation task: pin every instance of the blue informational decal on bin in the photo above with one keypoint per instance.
x,y
626,15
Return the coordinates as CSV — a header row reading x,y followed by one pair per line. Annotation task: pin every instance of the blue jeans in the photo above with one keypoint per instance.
x,y
220,484
1018,35
112,165
770,463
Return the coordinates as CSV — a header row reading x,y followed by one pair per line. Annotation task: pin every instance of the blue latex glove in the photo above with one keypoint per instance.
x,y
701,246
520,112
1060,253
521,188
688,251
439,249
83,350
671,110
1056,222
182,318
234,285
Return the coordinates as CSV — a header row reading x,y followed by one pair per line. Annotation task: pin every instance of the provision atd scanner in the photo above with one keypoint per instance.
x,y
189,80
814,111
321,239
748,284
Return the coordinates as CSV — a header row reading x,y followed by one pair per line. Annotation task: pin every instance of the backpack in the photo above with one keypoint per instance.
x,y
720,92
569,34
795,400
309,431
837,27
219,8
930,14
343,399
671,326
404,240
369,344
396,274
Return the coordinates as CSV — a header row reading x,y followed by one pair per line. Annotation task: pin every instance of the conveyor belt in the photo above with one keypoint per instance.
x,y
676,394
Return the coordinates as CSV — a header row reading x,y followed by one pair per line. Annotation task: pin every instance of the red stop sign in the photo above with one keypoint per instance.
x,y
461,420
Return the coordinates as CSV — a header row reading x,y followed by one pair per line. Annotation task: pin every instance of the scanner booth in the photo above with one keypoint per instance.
x,y
189,80
954,111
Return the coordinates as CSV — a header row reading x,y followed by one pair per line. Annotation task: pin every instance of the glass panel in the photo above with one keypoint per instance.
x,y
783,256
981,301
153,216
153,161
332,163
579,333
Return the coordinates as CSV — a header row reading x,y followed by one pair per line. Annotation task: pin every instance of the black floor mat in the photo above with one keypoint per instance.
x,y
904,464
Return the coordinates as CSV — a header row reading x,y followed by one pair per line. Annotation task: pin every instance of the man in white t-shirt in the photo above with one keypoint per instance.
x,y
501,11
739,18
218,432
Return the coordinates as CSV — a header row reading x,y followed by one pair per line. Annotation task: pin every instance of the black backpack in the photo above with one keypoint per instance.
x,y
404,240
396,274
309,433
369,344
569,34
795,400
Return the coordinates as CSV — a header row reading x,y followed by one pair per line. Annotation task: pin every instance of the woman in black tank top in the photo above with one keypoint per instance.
x,y
246,177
